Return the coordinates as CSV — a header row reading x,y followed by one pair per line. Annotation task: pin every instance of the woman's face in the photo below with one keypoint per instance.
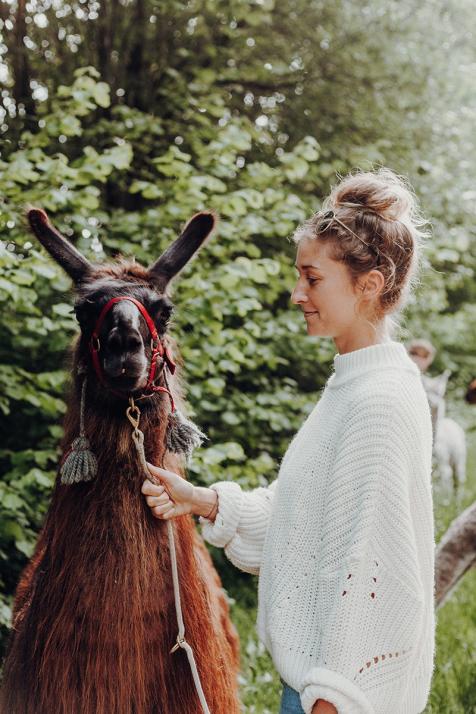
x,y
324,292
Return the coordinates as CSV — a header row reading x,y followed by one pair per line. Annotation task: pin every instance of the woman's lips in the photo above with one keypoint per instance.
x,y
314,312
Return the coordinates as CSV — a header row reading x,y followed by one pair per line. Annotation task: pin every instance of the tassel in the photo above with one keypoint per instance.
x,y
182,435
80,463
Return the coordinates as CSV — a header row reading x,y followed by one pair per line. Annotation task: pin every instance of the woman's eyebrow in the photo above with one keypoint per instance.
x,y
305,267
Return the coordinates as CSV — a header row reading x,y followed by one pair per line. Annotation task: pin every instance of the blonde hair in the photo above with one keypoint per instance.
x,y
383,230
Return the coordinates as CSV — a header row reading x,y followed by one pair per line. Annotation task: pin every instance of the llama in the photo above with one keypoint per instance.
x,y
94,616
449,442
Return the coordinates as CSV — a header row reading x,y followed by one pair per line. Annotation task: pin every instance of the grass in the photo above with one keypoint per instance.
x,y
454,680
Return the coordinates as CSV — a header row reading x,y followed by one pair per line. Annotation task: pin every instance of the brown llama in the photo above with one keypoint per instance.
x,y
94,617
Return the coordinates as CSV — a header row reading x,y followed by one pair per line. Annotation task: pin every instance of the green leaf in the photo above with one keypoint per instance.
x,y
101,94
12,502
69,126
146,189
25,547
120,156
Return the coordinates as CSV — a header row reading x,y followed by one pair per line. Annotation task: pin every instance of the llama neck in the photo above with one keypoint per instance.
x,y
439,414
441,411
105,520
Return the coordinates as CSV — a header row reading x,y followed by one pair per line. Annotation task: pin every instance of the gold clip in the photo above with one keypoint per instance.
x,y
133,413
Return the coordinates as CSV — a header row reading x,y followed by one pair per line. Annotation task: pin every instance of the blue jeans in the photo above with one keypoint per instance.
x,y
290,701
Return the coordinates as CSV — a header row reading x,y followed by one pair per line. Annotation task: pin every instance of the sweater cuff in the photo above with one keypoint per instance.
x,y
321,683
230,500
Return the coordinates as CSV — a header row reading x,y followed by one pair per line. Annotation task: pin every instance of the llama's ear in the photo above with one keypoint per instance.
x,y
176,256
442,381
70,259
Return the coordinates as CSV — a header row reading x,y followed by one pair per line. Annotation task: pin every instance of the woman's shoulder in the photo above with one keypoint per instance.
x,y
387,380
390,391
386,415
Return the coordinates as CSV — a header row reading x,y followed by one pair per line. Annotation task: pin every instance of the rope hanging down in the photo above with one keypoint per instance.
x,y
133,414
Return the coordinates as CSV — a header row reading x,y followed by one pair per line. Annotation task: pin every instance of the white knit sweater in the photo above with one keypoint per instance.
x,y
343,541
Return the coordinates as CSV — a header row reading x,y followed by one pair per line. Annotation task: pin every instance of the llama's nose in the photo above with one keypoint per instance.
x,y
125,365
115,366
124,355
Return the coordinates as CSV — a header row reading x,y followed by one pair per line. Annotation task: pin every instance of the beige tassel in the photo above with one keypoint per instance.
x,y
80,464
182,435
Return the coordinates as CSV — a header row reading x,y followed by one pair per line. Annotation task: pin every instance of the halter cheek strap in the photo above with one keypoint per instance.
x,y
158,349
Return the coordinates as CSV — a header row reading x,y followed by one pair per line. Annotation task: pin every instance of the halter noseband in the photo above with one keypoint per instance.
x,y
158,349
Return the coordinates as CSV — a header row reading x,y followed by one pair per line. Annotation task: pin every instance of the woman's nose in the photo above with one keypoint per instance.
x,y
298,295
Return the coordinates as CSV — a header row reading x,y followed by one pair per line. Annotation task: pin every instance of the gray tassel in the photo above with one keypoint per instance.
x,y
182,435
81,463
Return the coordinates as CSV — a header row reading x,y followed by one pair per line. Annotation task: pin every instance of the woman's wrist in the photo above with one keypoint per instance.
x,y
205,502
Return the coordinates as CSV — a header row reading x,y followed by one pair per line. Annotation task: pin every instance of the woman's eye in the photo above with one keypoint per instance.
x,y
311,281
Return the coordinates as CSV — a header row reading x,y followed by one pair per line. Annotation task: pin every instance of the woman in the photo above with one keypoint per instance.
x,y
343,539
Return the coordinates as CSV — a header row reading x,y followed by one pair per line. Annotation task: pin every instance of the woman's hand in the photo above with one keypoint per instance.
x,y
175,497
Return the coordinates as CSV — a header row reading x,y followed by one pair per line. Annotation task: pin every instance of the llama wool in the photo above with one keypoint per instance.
x,y
343,541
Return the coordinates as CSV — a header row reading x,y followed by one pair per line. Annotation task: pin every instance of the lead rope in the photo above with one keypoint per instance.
x,y
133,414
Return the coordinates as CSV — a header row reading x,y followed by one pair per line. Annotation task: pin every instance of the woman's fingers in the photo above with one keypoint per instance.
x,y
157,500
151,489
173,492
163,511
162,474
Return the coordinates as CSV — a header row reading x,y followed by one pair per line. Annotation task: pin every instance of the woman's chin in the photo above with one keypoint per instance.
x,y
317,330
313,326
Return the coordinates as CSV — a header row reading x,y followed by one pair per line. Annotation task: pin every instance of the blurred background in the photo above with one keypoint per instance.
x,y
122,118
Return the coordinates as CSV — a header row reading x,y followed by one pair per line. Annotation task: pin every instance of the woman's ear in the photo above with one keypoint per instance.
x,y
371,285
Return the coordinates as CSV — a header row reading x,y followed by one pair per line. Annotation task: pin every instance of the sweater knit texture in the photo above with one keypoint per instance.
x,y
343,541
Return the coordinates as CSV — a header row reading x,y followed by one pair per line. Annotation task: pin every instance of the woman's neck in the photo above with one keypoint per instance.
x,y
351,341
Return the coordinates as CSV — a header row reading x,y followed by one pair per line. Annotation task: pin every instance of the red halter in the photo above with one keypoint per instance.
x,y
158,349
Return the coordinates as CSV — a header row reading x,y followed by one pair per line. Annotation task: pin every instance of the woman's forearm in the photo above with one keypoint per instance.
x,y
205,502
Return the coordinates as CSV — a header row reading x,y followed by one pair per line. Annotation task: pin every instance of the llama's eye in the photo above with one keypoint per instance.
x,y
162,310
166,312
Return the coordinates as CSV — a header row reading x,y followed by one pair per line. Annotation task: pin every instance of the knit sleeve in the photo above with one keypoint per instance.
x,y
241,523
370,595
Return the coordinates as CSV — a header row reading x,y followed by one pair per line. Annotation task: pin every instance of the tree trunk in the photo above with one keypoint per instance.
x,y
20,64
135,65
104,39
456,553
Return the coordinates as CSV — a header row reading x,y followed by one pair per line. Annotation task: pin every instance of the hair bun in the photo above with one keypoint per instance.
x,y
382,192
